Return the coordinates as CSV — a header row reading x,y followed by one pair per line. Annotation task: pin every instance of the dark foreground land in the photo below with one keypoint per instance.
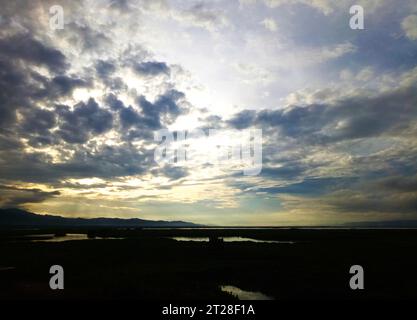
x,y
146,264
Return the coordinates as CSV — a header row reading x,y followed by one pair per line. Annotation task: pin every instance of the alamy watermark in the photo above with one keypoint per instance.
x,y
229,149
57,280
56,19
357,21
357,280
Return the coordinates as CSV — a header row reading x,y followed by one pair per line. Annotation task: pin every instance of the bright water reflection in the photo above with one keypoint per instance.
x,y
230,239
245,295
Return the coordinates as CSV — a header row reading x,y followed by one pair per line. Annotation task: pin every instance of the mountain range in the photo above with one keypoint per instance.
x,y
20,218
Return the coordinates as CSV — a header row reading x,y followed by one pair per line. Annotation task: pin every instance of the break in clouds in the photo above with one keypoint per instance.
x,y
337,107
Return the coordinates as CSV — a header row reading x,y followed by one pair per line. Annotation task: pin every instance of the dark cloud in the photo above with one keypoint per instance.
x,y
105,68
22,89
165,109
9,141
313,186
290,170
10,79
151,68
211,122
17,90
105,71
17,197
371,193
32,114
36,126
106,162
64,85
351,201
129,117
139,123
86,120
399,183
83,36
389,113
113,102
120,5
173,173
243,119
23,46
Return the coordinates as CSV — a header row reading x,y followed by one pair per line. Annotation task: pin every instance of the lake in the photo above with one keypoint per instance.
x,y
67,237
245,295
81,236
230,239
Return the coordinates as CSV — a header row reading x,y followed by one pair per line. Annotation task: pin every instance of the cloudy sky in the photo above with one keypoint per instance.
x,y
79,107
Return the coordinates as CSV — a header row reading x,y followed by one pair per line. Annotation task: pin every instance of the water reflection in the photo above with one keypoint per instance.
x,y
230,239
81,236
245,295
67,237
198,239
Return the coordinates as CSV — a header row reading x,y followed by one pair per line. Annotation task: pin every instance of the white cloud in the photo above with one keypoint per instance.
x,y
246,2
200,15
333,52
365,74
251,73
303,57
325,6
409,26
269,24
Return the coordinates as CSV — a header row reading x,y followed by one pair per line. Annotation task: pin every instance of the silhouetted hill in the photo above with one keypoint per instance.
x,y
22,218
383,224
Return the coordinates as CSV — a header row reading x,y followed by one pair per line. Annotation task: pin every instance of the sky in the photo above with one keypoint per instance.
x,y
79,108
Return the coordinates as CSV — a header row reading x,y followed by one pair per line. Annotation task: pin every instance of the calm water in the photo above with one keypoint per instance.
x,y
68,237
79,236
230,239
245,295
